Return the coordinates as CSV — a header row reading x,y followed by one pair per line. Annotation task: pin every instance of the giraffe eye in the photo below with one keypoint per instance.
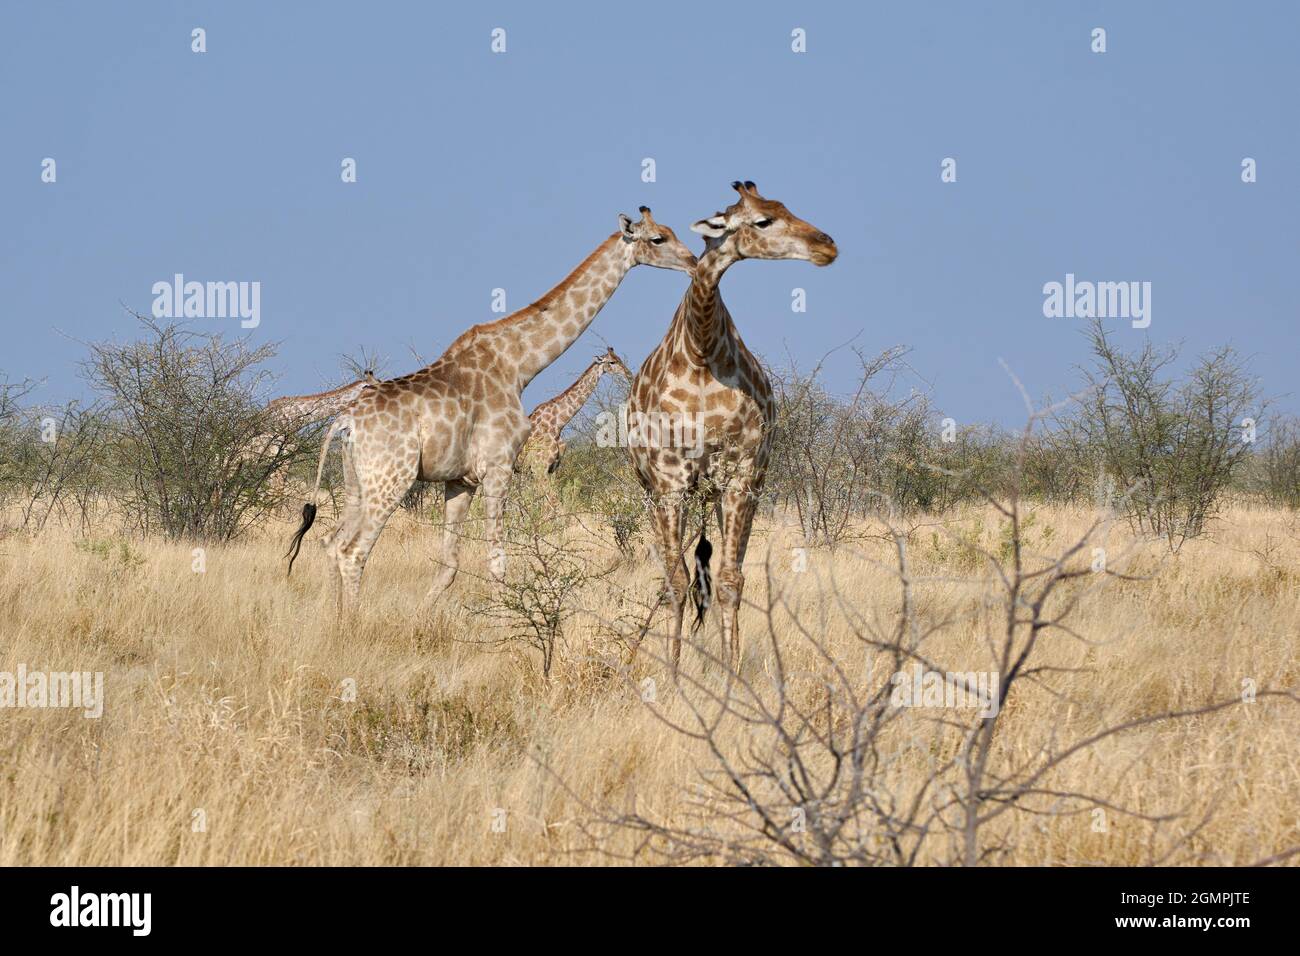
x,y
763,223
658,240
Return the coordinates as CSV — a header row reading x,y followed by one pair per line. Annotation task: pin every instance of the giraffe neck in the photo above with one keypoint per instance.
x,y
571,401
315,407
538,334
704,328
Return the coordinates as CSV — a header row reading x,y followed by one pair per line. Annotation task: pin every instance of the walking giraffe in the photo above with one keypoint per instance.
x,y
542,452
459,420
292,412
286,415
293,409
703,379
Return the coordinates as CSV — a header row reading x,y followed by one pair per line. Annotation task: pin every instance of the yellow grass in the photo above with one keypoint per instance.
x,y
230,737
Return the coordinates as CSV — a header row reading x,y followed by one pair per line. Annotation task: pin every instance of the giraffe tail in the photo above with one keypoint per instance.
x,y
295,544
702,586
309,509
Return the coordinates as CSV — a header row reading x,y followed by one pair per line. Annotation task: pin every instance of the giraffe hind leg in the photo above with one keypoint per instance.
x,y
345,530
375,506
496,484
738,507
457,497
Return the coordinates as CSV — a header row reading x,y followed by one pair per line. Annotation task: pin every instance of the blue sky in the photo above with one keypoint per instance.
x,y
479,170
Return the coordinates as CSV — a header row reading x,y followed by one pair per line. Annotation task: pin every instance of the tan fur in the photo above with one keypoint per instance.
x,y
459,421
542,453
703,369
321,405
294,412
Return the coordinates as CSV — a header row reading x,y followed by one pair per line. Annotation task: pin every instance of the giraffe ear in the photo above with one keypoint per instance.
x,y
625,226
713,227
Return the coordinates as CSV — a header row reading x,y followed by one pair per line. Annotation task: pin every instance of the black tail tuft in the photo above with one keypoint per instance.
x,y
702,586
308,517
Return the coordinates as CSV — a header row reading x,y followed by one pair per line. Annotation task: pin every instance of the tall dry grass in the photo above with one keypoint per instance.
x,y
231,736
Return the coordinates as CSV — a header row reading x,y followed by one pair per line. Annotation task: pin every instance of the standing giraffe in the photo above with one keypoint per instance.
x,y
544,448
459,420
292,412
292,409
704,381
287,414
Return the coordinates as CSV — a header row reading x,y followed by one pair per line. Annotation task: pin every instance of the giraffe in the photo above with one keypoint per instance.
x,y
286,415
544,448
704,380
459,421
304,409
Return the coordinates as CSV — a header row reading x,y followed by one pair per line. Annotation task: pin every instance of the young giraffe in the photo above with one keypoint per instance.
x,y
702,373
293,409
544,449
459,420
290,413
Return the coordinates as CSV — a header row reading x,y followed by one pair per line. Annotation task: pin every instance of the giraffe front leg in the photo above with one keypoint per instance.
x,y
738,506
669,520
457,497
496,482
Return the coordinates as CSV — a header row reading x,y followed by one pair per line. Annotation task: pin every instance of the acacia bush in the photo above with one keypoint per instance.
x,y
1276,470
14,438
542,569
63,470
839,459
1171,447
189,446
51,458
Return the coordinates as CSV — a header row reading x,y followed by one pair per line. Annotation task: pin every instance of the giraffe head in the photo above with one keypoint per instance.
x,y
758,228
610,362
655,245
